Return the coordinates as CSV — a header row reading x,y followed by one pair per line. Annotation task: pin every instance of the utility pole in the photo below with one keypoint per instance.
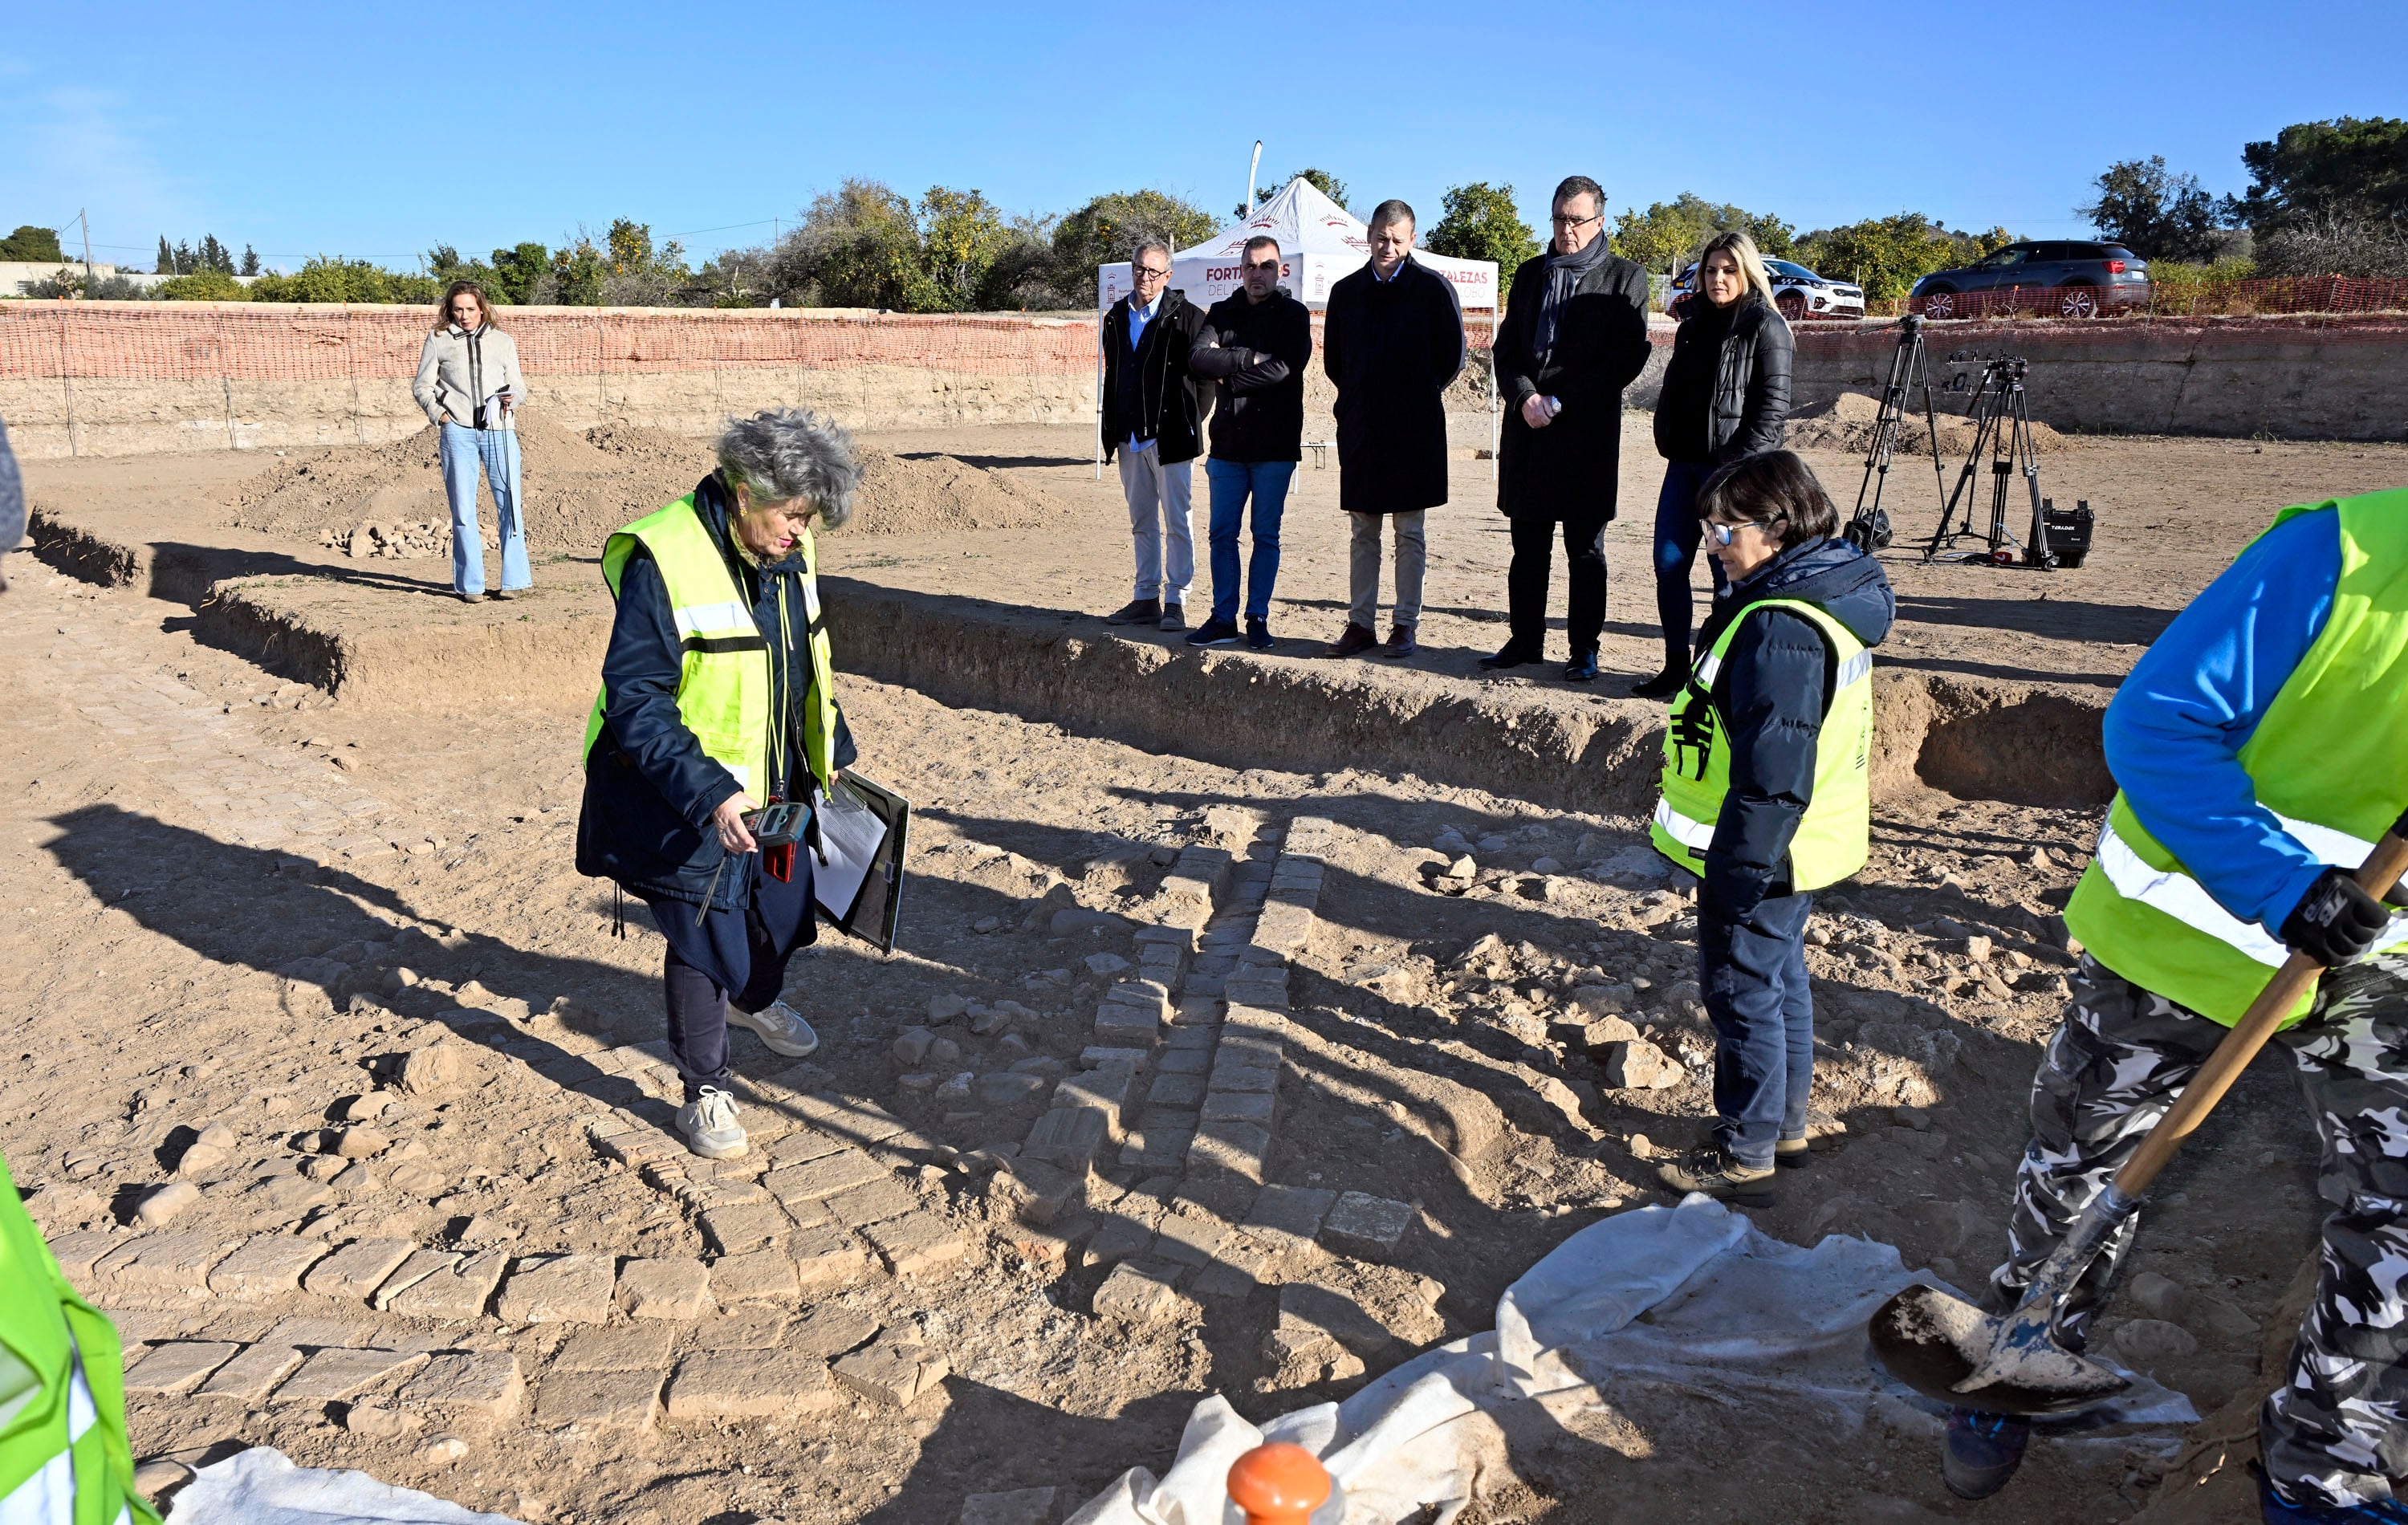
x,y
85,223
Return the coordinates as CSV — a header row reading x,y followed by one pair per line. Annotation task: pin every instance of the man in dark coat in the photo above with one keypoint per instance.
x,y
1574,334
1153,422
1392,342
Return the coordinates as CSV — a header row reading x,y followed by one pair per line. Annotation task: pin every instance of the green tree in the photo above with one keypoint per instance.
x,y
326,279
517,270
202,286
577,271
1104,230
32,244
1887,255
1320,180
2354,167
2154,212
1668,233
213,256
250,260
187,263
167,265
961,234
1480,221
858,246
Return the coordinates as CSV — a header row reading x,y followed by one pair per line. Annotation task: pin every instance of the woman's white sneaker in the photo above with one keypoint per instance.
x,y
709,1126
780,1026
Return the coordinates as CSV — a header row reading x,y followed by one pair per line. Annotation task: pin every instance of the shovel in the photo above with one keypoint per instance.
x,y
1946,1349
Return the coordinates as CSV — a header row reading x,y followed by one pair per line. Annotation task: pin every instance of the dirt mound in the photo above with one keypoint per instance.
x,y
387,501
1846,424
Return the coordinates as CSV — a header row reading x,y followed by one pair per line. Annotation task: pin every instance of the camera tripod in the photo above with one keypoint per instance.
x,y
1869,527
2002,435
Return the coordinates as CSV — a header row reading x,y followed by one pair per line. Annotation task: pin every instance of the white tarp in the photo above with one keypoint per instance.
x,y
1320,243
263,1487
1730,1313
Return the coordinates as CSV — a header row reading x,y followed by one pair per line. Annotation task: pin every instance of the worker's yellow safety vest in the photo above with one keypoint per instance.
x,y
1833,837
725,692
2330,760
63,1456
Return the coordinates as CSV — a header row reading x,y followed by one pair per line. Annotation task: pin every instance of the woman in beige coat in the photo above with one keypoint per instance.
x,y
470,386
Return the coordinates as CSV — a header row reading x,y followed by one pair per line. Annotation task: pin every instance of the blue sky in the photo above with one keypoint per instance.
x,y
379,131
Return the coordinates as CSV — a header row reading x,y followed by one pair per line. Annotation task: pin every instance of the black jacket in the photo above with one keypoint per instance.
x,y
1775,683
1569,470
649,788
1255,352
1750,410
1160,400
1392,348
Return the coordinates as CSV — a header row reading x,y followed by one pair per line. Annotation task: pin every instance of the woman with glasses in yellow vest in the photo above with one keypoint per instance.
x,y
1767,795
717,700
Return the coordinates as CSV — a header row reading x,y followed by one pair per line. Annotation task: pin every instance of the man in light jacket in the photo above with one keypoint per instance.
x,y
1153,423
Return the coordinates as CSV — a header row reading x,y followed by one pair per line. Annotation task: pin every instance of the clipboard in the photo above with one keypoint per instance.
x,y
863,829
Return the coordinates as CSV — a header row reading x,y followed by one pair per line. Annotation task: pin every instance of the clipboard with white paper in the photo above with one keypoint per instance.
x,y
857,862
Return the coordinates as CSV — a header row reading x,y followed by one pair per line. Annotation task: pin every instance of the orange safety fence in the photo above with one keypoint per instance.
x,y
243,343
2272,297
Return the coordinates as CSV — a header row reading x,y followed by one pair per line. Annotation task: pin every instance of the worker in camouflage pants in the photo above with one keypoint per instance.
x,y
2260,748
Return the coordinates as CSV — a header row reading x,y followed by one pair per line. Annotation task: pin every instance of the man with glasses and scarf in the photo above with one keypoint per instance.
x,y
1153,422
1574,334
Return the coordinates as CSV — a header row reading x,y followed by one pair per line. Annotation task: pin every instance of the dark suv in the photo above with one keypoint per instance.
x,y
2072,280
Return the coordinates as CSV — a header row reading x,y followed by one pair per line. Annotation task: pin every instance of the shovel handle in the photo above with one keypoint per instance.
x,y
2380,873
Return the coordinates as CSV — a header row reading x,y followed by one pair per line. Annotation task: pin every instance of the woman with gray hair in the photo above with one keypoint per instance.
x,y
717,700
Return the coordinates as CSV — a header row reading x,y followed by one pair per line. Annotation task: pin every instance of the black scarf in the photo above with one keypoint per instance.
x,y
1564,272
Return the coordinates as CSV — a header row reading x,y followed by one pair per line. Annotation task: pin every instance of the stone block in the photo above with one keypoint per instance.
x,y
358,1268
267,1266
892,1372
668,1287
457,1295
1139,1292
1194,1034
78,1250
1188,1240
876,1203
1239,1267
558,1288
915,1242
1159,1145
421,1265
1039,1193
250,1376
824,1256
1104,1092
1127,1229
749,1384
1232,1148
1069,1137
801,1148
334,1375
1636,1064
1021,1506
831,1331
177,1367
1008,1088
1289,1218
1255,1107
165,1203
754,1276
437,1067
469,1385
849,1118
1241,1069
628,1347
1172,1088
743,1328
1185,1062
1126,1024
1106,1056
599,1399
1368,1228
732,1230
169,1263
824,1177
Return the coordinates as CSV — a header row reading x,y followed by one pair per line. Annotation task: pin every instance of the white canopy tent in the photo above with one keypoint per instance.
x,y
1320,242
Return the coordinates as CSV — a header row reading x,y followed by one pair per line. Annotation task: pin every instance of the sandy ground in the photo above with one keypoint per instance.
x,y
224,877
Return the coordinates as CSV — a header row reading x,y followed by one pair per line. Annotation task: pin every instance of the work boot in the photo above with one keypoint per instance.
x,y
1666,684
1712,1171
1215,631
1136,611
1582,668
1788,1152
1355,642
2277,1510
709,1126
1400,642
1983,1451
778,1027
1511,655
1258,633
1174,617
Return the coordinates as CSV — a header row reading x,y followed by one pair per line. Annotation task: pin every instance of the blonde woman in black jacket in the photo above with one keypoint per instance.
x,y
1725,398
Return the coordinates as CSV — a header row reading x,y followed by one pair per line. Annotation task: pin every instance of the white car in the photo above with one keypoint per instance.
x,y
1797,291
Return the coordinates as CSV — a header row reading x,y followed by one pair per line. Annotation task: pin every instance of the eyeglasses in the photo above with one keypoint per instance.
x,y
1262,264
1149,272
1722,532
1562,222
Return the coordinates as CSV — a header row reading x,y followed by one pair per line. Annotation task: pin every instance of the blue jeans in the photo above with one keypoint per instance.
x,y
497,449
1677,533
1752,971
1232,482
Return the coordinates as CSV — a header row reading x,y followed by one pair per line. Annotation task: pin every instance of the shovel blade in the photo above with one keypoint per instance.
x,y
1932,1341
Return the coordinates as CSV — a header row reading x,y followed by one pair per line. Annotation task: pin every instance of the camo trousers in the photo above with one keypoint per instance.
x,y
2336,1432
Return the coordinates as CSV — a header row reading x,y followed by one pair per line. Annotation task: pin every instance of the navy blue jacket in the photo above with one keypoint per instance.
x,y
1775,683
649,788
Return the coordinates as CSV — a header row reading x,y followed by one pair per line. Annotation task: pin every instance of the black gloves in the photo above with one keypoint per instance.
x,y
2335,921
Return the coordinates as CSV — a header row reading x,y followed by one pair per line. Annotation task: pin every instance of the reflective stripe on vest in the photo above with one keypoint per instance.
x,y
2323,760
1833,836
48,1496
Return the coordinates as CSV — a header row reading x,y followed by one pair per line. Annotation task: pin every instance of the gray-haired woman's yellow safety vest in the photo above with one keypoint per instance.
x,y
1833,837
2326,759
724,690
63,1456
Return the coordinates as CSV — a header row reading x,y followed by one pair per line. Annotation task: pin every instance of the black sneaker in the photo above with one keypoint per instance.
x,y
1982,1451
1215,631
1258,634
1136,611
1712,1171
1663,685
1511,655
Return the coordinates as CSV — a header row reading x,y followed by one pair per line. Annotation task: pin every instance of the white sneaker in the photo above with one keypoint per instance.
x,y
709,1126
779,1025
